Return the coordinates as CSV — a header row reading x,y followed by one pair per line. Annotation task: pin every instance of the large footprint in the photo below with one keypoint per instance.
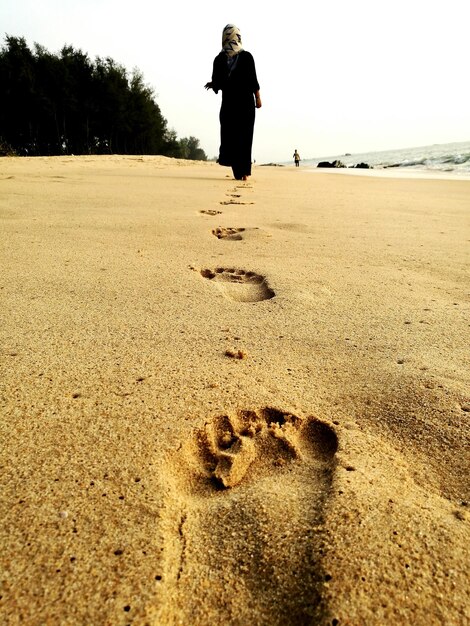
x,y
248,540
239,285
231,445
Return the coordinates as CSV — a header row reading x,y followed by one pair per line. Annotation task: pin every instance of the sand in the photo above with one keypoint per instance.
x,y
232,403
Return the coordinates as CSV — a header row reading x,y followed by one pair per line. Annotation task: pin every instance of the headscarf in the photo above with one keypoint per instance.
x,y
231,40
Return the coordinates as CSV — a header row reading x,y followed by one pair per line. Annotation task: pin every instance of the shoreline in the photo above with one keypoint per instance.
x,y
397,172
442,159
385,172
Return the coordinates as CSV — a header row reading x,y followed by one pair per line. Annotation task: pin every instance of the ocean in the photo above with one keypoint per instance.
x,y
450,158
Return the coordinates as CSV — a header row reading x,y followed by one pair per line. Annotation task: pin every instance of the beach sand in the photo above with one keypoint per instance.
x,y
232,403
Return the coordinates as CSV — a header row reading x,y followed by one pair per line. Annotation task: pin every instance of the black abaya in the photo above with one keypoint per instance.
x,y
237,113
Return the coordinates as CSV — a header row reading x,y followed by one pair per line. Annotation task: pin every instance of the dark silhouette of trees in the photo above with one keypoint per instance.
x,y
64,103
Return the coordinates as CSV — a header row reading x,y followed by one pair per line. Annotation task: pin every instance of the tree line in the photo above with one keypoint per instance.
x,y
64,103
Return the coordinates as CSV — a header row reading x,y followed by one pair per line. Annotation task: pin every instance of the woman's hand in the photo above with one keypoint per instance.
x,y
258,102
208,85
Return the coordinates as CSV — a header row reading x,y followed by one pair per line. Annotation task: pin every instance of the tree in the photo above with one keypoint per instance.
x,y
65,103
195,152
189,149
16,103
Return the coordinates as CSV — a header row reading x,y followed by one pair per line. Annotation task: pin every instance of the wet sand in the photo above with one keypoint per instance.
x,y
232,403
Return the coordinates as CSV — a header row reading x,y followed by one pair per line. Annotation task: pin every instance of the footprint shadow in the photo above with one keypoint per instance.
x,y
251,490
239,285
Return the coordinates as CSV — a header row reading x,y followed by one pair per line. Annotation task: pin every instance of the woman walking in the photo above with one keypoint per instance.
x,y
234,74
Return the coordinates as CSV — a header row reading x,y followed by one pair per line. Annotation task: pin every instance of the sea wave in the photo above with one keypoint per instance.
x,y
453,157
447,162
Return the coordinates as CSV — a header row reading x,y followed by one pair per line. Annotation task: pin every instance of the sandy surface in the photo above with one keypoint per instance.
x,y
232,403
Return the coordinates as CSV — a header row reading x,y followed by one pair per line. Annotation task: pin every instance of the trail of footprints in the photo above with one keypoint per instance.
x,y
235,284
229,490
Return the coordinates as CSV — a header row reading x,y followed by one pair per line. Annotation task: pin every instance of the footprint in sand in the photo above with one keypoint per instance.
x,y
230,445
210,212
239,285
247,498
235,202
234,234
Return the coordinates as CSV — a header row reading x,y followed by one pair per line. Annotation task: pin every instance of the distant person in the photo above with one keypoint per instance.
x,y
296,157
234,74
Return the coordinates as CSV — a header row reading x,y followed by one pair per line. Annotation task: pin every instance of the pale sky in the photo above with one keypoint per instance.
x,y
335,76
